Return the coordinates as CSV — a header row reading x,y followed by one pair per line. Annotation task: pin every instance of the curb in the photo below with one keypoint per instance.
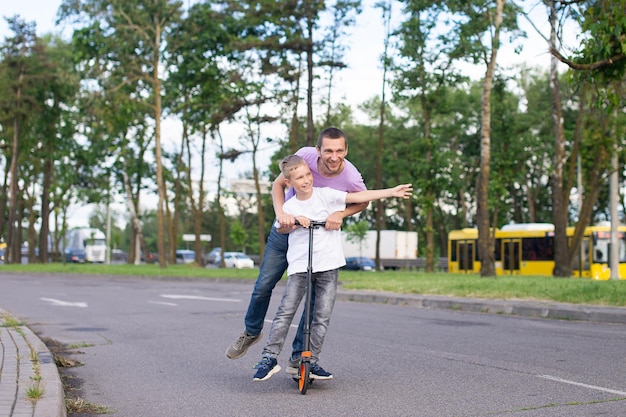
x,y
16,375
549,310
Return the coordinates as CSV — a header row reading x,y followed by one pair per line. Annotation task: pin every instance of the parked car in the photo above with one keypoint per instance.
x,y
75,255
360,263
185,256
119,256
214,256
237,260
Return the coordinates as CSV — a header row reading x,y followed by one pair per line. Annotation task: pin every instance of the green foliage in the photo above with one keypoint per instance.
x,y
357,232
604,24
239,235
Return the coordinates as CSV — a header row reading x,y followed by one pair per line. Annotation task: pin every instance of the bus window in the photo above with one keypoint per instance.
x,y
453,250
498,251
529,249
601,251
622,249
584,251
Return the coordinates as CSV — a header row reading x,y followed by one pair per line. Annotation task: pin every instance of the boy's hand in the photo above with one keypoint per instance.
x,y
304,221
403,190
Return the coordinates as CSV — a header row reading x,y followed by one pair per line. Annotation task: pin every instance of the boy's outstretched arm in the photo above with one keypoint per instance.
x,y
401,191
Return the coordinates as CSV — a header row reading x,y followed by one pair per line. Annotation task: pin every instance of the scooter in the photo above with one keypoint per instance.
x,y
304,379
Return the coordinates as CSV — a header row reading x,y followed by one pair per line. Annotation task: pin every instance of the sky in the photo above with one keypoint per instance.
x,y
361,81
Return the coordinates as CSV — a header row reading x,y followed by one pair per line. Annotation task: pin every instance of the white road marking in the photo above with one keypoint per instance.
x,y
199,297
64,303
580,384
163,303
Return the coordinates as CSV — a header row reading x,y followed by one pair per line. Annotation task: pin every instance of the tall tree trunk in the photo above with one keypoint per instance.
x,y
13,237
48,173
158,153
137,241
429,195
310,128
485,240
295,124
219,202
197,224
559,208
380,207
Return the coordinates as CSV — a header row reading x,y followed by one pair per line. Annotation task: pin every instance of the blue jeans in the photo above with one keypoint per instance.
x,y
325,284
273,267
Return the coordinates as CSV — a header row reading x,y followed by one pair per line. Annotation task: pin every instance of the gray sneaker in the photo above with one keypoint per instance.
x,y
241,345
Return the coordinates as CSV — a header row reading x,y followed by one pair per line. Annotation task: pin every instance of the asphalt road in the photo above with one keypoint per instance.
x,y
157,350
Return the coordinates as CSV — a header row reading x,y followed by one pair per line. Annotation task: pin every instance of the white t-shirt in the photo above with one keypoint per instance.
x,y
327,249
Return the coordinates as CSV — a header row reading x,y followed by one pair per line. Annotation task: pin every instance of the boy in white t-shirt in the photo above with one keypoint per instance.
x,y
311,203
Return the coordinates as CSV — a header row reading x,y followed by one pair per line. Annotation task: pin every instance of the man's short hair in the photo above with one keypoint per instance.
x,y
290,163
331,133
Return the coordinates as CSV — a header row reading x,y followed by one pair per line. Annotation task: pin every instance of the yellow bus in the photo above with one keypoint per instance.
x,y
528,249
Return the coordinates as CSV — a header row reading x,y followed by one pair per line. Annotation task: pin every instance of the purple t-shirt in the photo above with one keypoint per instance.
x,y
349,180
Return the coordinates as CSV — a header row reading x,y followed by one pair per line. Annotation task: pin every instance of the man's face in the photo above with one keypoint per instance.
x,y
301,179
332,154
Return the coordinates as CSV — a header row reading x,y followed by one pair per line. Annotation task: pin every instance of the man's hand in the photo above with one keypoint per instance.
x,y
334,221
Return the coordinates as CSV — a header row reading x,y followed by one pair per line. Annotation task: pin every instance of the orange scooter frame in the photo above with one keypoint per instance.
x,y
304,372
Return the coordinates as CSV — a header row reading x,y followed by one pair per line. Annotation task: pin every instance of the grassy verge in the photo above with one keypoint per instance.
x,y
567,290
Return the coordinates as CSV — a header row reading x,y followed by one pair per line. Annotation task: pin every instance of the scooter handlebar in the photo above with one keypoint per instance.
x,y
314,223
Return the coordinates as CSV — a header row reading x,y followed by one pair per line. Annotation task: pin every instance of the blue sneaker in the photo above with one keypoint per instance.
x,y
317,372
266,368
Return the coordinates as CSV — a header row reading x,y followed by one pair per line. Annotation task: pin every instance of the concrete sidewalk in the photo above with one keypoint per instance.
x,y
25,364
19,344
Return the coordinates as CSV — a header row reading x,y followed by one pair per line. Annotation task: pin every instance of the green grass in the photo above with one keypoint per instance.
x,y
567,290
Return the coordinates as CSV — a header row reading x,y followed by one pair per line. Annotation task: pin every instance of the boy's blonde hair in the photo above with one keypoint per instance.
x,y
290,163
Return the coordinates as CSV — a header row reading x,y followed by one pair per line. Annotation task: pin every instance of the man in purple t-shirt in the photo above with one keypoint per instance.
x,y
330,169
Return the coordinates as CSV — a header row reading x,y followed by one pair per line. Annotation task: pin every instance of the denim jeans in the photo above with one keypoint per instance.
x,y
325,284
273,267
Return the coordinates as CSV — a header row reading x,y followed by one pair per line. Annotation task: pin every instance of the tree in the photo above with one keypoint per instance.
x,y
29,82
423,73
198,90
483,19
603,52
284,35
123,44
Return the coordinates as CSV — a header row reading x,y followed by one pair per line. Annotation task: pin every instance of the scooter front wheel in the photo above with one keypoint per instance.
x,y
304,381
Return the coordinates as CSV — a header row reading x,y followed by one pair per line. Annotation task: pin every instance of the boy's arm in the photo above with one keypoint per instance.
x,y
278,199
401,191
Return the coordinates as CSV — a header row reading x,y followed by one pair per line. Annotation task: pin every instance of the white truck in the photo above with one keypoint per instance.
x,y
93,241
394,244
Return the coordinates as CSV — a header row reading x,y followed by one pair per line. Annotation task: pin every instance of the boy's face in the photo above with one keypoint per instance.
x,y
301,179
